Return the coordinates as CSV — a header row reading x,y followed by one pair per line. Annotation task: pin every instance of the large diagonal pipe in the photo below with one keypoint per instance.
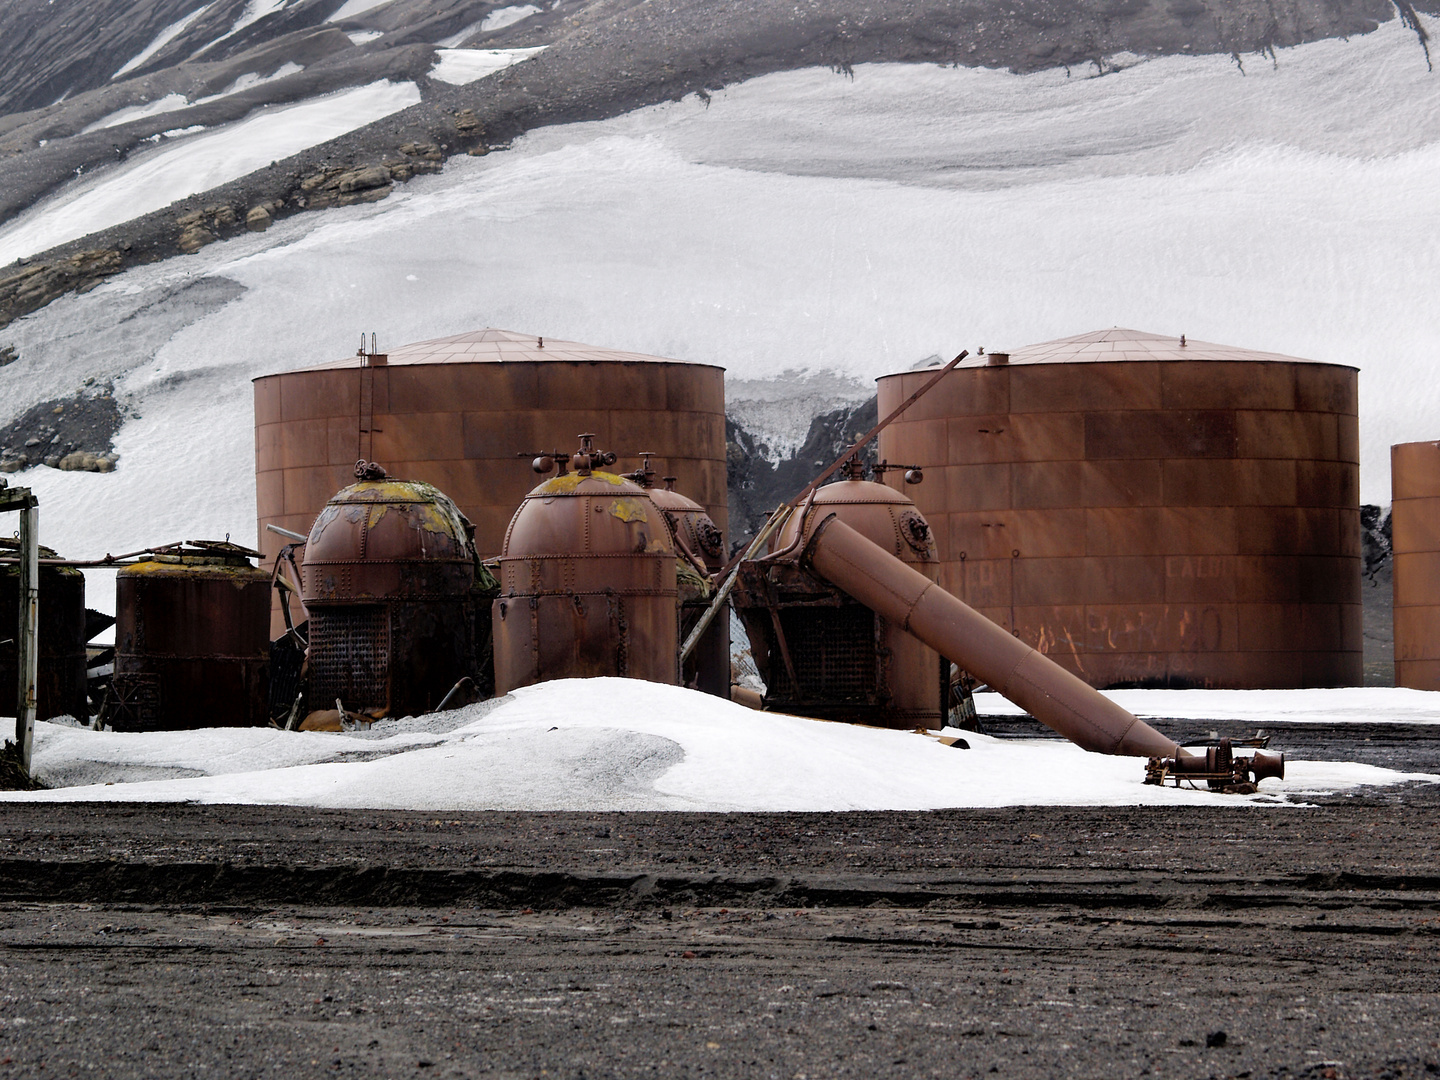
x,y
958,632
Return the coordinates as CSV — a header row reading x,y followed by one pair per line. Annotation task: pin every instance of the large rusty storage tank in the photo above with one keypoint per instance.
x,y
701,557
60,683
192,647
455,411
392,584
1146,510
587,581
824,654
1415,545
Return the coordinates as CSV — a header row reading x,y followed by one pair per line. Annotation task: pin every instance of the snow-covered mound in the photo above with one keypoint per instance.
x,y
617,744
807,222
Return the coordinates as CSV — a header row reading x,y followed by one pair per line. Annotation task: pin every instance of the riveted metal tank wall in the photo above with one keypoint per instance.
x,y
587,585
60,684
392,584
1148,511
824,654
192,647
1415,546
455,412
702,556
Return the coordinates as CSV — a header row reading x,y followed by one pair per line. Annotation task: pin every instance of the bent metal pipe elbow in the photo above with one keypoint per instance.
x,y
958,632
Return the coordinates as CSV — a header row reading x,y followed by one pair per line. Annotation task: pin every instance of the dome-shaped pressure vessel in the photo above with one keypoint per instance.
x,y
391,584
192,642
703,549
587,582
822,653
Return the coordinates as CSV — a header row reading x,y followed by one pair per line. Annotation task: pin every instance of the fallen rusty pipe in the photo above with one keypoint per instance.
x,y
958,632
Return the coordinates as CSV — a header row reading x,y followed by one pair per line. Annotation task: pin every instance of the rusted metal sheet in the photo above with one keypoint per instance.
x,y
60,688
823,653
453,413
1148,513
393,587
702,555
1415,547
587,582
191,643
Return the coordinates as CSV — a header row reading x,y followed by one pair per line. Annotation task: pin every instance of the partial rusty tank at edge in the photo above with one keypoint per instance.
x,y
391,582
587,580
825,654
702,556
60,685
192,643
1415,545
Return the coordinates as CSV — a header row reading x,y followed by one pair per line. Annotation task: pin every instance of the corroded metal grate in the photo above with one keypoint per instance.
x,y
350,657
834,653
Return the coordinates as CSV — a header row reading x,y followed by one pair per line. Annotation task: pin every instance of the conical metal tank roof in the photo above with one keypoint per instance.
x,y
492,346
1119,344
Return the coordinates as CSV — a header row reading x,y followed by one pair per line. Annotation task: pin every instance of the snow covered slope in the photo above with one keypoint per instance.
x,y
807,222
618,744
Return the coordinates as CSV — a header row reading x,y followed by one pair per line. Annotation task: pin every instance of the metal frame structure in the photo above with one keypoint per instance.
x,y
27,660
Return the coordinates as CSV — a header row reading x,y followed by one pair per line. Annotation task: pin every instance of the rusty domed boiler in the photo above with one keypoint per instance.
x,y
392,585
60,684
824,654
587,580
192,643
701,556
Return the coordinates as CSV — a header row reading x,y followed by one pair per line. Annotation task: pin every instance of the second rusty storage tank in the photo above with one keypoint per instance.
x,y
454,412
1149,511
192,647
393,587
587,581
1415,545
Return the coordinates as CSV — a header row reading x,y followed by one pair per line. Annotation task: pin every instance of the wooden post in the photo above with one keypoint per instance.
x,y
27,640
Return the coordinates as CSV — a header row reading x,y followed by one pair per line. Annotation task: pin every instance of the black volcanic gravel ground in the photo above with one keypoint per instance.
x,y
1245,941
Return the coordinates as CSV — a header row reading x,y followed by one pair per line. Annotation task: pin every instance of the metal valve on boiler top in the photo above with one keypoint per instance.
x,y
584,461
914,474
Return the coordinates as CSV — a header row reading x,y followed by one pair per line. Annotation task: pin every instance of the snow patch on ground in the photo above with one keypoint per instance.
x,y
508,16
618,744
462,66
351,8
169,34
172,102
1337,705
160,178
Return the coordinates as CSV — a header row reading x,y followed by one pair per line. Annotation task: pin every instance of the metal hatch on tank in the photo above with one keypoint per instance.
x,y
824,654
587,579
392,584
701,556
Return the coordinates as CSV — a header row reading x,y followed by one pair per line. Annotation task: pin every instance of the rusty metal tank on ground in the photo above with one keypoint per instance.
x,y
824,654
60,685
391,582
1148,511
587,580
702,557
1415,545
453,412
192,647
